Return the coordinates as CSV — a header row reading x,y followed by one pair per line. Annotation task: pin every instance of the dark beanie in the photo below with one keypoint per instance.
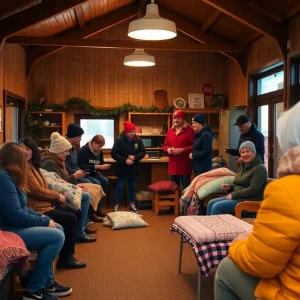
x,y
200,118
74,130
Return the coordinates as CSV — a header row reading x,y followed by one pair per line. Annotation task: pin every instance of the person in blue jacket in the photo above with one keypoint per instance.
x,y
201,155
38,231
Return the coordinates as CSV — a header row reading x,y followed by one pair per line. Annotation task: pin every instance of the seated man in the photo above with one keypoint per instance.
x,y
249,183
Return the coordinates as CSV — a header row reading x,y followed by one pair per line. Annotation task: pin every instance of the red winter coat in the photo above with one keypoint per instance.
x,y
180,164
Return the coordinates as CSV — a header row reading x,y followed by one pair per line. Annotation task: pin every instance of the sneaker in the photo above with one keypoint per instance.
x,y
89,221
116,208
38,296
133,209
58,290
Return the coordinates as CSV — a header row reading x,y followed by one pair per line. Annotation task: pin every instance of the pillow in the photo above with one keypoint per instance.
x,y
124,219
163,186
214,186
71,192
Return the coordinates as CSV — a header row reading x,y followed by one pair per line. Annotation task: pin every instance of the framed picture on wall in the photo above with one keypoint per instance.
x,y
196,100
1,118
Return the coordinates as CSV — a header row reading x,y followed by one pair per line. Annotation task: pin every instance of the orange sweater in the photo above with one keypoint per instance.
x,y
272,250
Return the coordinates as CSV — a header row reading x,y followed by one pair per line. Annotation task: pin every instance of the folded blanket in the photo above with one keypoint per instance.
x,y
12,250
212,228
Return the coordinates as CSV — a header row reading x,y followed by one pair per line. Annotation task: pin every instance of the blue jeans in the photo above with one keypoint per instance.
x,y
120,187
84,179
221,206
185,180
85,204
48,241
233,284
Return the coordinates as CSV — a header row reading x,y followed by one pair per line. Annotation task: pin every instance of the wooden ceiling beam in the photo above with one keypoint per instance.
x,y
89,29
254,19
79,16
34,15
124,44
210,20
194,32
293,11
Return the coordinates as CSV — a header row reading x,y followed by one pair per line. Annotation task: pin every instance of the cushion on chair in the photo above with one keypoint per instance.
x,y
163,186
124,219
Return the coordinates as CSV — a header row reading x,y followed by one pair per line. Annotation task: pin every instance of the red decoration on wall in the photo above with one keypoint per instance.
x,y
208,89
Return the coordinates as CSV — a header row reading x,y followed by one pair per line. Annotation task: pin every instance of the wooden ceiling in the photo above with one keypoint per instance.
x,y
223,26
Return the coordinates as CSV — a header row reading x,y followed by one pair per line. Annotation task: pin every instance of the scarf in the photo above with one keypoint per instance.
x,y
96,153
289,162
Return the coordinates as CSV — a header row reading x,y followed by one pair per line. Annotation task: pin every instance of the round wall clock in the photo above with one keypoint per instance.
x,y
179,103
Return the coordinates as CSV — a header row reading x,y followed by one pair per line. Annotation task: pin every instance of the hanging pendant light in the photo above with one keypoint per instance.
x,y
139,59
152,26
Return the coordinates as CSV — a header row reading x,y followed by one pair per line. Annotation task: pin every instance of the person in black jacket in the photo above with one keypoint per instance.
x,y
249,132
201,155
127,151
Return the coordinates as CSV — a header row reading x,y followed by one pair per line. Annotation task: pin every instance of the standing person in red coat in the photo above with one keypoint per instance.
x,y
178,144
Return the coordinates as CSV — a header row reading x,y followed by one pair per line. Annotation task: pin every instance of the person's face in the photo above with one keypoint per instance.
x,y
97,147
178,122
247,155
131,134
27,151
244,128
76,140
196,126
62,155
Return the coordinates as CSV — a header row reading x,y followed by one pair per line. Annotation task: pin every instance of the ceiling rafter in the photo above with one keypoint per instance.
x,y
124,44
210,20
254,19
34,15
91,28
194,32
79,16
292,12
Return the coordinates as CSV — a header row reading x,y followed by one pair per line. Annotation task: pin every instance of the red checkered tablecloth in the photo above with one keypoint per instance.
x,y
209,254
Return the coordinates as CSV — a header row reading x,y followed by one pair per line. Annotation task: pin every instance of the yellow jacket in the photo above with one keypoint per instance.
x,y
272,250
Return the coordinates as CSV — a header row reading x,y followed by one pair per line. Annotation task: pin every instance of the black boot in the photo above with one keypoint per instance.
x,y
100,213
70,263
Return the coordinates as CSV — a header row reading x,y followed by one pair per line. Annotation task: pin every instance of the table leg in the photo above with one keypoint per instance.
x,y
180,255
199,286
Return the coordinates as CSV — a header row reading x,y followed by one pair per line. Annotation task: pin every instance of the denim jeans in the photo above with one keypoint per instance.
x,y
48,241
85,204
233,284
120,187
184,179
84,179
220,206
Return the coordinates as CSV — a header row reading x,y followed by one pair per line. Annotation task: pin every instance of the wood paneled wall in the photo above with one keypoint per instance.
x,y
294,35
12,73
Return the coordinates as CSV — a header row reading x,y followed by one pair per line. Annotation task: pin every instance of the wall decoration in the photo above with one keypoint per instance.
x,y
208,89
1,118
179,103
196,100
219,101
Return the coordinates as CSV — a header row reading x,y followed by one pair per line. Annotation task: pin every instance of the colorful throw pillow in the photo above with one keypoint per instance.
x,y
71,192
214,186
163,186
124,219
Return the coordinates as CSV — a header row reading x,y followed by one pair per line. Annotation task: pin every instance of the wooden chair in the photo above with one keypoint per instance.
x,y
162,199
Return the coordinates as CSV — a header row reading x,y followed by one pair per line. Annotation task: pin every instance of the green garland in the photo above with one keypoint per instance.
x,y
86,106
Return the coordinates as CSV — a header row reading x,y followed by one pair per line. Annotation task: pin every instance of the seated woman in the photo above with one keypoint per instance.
x,y
38,231
50,203
54,161
249,183
90,158
266,264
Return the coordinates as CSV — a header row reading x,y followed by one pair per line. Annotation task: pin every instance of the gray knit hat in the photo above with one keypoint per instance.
x,y
249,145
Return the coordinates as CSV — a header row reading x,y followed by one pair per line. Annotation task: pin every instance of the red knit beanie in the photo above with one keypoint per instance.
x,y
178,114
128,126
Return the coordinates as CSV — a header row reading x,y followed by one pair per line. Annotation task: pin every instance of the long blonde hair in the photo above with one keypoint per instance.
x,y
13,160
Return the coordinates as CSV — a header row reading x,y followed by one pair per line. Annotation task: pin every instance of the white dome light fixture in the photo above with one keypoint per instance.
x,y
152,26
139,59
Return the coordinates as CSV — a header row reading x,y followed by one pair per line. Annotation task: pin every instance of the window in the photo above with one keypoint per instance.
x,y
270,83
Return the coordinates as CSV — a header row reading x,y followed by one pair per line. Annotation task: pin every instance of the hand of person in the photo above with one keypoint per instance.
x,y
191,155
229,197
79,174
131,157
52,224
239,160
129,162
170,150
177,151
227,150
62,200
225,187
83,187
